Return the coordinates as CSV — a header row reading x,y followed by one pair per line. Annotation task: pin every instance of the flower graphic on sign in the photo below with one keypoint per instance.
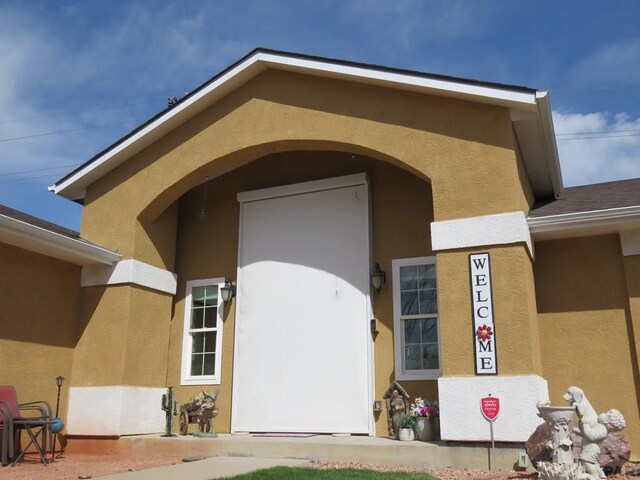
x,y
484,333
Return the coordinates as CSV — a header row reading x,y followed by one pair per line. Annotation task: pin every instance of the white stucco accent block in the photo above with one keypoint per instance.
x,y
500,229
460,416
115,410
130,271
630,240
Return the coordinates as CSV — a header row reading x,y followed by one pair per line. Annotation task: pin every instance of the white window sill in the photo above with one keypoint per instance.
x,y
200,381
419,376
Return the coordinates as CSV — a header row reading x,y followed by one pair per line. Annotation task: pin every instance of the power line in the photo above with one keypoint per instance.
x,y
600,136
603,132
75,112
13,180
594,89
64,131
38,170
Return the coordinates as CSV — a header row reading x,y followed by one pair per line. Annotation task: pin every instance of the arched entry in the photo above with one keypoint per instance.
x,y
302,336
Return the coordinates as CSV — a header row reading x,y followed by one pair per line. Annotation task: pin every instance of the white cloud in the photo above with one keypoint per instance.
x,y
596,160
403,23
615,63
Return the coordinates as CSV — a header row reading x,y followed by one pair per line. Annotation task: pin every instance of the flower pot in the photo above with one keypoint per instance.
x,y
406,435
427,429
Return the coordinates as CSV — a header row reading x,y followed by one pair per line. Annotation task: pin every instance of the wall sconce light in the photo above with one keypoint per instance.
x,y
228,291
378,278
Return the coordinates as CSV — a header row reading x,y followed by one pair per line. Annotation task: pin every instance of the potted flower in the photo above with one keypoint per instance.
x,y
406,424
427,415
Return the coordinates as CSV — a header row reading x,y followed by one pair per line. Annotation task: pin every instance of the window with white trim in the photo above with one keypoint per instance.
x,y
415,323
202,337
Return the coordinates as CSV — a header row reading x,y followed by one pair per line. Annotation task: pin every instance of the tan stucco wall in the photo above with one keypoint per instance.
x,y
401,213
123,338
39,305
585,324
514,310
465,149
632,277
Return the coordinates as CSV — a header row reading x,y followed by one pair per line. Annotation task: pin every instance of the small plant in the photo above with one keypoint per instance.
x,y
405,420
424,408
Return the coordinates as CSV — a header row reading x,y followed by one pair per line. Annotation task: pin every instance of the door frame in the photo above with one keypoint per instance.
x,y
292,190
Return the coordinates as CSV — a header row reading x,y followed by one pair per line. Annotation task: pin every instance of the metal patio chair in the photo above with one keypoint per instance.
x,y
34,418
6,451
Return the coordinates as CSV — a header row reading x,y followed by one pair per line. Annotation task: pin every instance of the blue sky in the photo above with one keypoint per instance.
x,y
77,75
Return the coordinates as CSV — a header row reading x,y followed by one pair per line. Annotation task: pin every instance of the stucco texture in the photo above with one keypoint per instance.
x,y
585,326
39,308
462,153
401,213
465,149
514,310
123,337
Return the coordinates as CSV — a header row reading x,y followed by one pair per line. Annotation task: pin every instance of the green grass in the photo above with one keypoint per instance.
x,y
287,473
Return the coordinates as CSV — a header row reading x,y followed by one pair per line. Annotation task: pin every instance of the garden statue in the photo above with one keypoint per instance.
x,y
201,410
397,402
593,429
567,462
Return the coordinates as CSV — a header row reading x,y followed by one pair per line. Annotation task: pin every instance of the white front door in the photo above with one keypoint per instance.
x,y
302,343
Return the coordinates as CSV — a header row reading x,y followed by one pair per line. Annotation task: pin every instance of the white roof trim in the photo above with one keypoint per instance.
x,y
613,219
40,240
304,187
548,134
130,271
74,187
503,96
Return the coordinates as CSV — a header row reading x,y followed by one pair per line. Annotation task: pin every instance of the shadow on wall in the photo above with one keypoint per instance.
x,y
40,298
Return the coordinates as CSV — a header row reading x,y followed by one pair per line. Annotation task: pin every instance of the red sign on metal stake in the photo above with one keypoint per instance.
x,y
490,407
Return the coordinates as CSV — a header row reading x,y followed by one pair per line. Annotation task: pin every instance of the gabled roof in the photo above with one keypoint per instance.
x,y
598,208
32,233
530,112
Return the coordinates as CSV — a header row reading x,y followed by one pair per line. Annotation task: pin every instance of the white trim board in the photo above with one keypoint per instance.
x,y
630,241
304,187
130,271
46,242
594,222
499,229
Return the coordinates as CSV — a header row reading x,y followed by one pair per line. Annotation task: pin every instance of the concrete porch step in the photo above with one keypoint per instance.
x,y
361,449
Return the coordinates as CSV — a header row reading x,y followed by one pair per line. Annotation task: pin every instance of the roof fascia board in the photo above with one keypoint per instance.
x,y
74,187
548,134
57,245
585,220
485,94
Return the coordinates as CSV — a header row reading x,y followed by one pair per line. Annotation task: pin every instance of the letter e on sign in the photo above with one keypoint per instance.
x,y
490,407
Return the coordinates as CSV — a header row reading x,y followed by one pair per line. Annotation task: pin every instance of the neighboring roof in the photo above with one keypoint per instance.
x,y
32,233
587,198
531,112
600,208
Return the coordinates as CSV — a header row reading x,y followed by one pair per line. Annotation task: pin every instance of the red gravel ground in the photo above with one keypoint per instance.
x,y
74,465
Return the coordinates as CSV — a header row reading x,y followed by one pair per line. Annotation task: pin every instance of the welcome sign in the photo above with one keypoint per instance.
x,y
484,332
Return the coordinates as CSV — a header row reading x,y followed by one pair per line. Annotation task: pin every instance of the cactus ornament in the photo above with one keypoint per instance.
x,y
170,407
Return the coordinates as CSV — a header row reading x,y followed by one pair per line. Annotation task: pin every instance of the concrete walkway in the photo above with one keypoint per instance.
x,y
213,467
